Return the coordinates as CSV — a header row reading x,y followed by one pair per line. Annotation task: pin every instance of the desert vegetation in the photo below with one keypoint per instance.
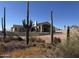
x,y
36,47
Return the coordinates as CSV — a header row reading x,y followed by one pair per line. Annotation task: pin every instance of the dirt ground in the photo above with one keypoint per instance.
x,y
47,38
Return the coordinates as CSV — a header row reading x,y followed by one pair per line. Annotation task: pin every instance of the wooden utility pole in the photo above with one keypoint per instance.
x,y
51,28
27,30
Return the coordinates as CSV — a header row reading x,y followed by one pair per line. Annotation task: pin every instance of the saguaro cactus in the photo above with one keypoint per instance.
x,y
27,27
30,24
27,31
2,20
26,24
51,28
68,34
4,26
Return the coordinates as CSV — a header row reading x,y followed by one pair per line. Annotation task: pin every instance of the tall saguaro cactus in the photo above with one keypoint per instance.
x,y
51,28
2,20
68,34
26,24
27,31
4,25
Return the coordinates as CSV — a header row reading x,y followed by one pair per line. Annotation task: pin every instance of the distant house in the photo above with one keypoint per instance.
x,y
17,28
74,27
39,27
43,27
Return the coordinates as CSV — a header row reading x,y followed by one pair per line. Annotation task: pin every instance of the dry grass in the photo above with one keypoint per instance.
x,y
47,50
70,50
40,50
17,48
25,52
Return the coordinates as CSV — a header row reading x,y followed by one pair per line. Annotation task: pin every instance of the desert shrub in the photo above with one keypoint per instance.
x,y
71,50
32,39
9,39
35,42
38,40
57,41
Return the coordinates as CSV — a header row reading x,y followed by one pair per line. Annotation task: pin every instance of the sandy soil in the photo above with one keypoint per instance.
x,y
47,38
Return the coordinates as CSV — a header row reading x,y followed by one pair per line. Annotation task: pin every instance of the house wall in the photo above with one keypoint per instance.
x,y
42,27
17,29
46,28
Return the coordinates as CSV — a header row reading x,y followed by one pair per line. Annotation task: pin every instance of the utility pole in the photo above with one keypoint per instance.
x,y
27,30
51,28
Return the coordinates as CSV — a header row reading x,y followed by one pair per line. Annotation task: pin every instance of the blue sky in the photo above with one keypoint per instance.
x,y
64,13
